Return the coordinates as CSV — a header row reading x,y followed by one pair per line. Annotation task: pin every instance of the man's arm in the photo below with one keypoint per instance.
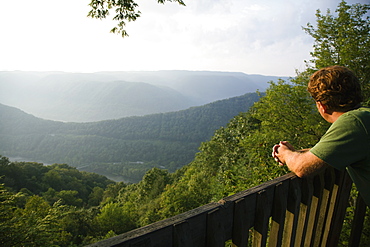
x,y
303,163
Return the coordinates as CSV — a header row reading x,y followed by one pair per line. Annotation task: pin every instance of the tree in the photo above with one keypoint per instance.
x,y
193,190
153,184
344,40
38,224
114,217
8,200
124,11
96,196
70,197
79,224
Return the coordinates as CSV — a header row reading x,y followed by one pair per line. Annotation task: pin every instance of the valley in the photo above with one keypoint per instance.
x,y
124,148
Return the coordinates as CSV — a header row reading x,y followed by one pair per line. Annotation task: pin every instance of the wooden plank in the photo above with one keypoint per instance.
x,y
318,184
263,213
333,187
219,225
228,218
321,218
345,184
294,199
215,235
182,234
191,232
137,243
304,211
244,214
158,238
278,213
323,209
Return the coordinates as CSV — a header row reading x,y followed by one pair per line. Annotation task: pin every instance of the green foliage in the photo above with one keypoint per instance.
x,y
124,11
192,190
153,184
49,212
343,39
142,199
287,112
348,221
112,191
96,196
37,224
7,207
79,225
114,217
58,182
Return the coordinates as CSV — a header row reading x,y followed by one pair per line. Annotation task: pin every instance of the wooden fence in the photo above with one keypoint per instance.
x,y
286,211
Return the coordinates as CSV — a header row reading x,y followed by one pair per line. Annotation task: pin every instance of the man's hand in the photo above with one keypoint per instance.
x,y
274,154
288,145
301,162
282,146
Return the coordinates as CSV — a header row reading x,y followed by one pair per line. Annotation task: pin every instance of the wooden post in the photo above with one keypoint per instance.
x,y
314,209
219,225
244,214
294,199
279,213
341,204
263,213
304,211
333,188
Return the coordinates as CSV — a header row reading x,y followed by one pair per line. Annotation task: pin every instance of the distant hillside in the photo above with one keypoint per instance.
x,y
74,98
168,139
202,86
88,97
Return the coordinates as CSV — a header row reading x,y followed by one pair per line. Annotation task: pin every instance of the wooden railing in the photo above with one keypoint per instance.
x,y
286,211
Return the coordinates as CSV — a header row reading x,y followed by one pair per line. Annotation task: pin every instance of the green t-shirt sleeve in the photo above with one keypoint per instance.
x,y
344,143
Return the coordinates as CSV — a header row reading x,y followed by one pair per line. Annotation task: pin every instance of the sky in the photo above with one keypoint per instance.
x,y
250,36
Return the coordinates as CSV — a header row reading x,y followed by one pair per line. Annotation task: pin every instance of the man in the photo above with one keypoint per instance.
x,y
346,144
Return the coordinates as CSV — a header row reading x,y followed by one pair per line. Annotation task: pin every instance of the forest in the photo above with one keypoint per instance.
x,y
66,208
126,147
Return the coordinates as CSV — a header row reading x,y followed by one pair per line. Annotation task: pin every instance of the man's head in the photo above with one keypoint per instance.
x,y
336,87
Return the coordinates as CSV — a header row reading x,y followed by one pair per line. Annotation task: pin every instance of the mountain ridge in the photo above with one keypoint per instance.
x,y
87,97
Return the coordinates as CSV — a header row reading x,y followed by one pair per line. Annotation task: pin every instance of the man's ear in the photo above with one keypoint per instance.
x,y
322,108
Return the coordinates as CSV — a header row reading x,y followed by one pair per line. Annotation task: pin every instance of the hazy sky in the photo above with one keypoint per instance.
x,y
251,36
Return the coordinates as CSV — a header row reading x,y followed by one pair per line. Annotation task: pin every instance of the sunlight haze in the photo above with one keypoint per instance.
x,y
253,37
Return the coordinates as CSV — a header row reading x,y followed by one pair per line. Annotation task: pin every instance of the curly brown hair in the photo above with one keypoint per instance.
x,y
337,87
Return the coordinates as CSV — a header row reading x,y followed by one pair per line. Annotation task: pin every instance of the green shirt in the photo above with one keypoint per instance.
x,y
346,144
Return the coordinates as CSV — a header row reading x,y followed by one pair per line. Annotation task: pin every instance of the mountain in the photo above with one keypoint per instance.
x,y
87,97
202,86
77,98
167,140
